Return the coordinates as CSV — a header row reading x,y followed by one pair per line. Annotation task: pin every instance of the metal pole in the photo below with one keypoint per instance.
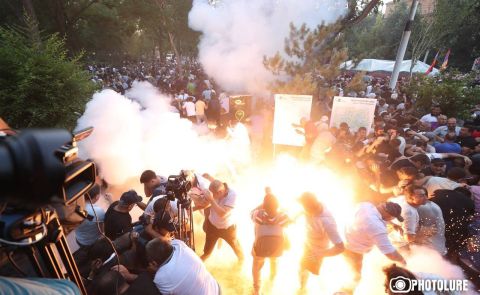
x,y
403,45
426,56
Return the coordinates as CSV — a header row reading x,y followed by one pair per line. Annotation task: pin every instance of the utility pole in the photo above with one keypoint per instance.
x,y
403,44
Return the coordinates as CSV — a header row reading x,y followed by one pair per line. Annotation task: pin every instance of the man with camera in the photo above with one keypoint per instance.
x,y
178,270
220,223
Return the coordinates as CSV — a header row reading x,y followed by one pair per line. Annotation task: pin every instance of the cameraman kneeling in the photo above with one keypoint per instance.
x,y
178,270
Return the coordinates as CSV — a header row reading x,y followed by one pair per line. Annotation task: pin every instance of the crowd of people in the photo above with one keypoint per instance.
x,y
417,183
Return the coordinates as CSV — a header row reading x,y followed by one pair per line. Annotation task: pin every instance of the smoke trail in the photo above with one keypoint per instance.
x,y
140,131
237,34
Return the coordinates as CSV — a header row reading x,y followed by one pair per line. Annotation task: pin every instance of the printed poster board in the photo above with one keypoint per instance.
x,y
289,109
355,111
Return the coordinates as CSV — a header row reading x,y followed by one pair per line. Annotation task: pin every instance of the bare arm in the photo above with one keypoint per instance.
x,y
335,250
395,256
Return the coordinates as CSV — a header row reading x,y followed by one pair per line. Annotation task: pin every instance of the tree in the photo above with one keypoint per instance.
x,y
40,86
455,93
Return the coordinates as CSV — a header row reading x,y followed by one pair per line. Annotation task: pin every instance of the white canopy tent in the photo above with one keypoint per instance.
x,y
377,65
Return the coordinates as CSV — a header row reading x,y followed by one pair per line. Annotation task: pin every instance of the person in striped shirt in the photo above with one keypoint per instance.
x,y
270,239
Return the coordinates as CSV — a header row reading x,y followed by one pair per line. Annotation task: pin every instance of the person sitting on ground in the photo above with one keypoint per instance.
x,y
117,218
178,270
91,228
120,281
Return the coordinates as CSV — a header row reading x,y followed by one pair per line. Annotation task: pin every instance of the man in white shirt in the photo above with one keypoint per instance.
x,y
189,109
431,119
432,227
178,270
220,223
415,196
369,229
323,239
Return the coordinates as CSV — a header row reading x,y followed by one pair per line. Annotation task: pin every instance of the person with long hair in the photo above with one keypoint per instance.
x,y
270,238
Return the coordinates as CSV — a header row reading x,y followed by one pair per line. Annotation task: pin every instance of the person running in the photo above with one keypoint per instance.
x,y
321,232
269,238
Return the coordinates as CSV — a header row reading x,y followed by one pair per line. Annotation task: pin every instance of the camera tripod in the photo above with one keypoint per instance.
x,y
50,257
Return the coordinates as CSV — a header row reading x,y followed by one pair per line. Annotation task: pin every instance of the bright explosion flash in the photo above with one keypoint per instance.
x,y
288,179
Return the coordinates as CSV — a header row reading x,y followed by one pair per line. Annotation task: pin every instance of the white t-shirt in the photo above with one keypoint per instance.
x,y
87,232
322,229
149,212
432,227
185,274
435,183
428,118
189,107
226,221
368,229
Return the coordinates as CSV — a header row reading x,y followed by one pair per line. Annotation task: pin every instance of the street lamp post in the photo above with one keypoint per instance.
x,y
403,44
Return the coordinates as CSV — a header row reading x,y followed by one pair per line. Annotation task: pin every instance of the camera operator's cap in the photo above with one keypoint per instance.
x,y
395,210
130,197
164,222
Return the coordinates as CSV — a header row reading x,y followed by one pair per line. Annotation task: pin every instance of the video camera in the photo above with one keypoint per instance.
x,y
42,184
177,188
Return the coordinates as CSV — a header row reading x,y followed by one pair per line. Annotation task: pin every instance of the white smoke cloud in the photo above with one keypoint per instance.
x,y
140,131
237,34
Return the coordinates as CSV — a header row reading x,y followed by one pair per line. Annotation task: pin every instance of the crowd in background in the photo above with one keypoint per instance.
x,y
417,183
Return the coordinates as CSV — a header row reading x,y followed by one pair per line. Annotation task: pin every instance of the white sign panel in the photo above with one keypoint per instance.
x,y
289,109
355,111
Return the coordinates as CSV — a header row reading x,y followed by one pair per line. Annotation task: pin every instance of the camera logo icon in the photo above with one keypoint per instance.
x,y
400,285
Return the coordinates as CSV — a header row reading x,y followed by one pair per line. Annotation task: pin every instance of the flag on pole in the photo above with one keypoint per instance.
x,y
434,62
445,61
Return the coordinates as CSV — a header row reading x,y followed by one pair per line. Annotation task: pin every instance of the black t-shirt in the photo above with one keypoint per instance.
x,y
144,285
457,210
466,141
116,223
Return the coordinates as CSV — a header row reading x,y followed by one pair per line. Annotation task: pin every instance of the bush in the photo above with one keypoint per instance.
x,y
40,86
456,93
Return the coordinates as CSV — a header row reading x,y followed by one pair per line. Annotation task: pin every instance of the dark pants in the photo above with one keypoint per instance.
x,y
212,236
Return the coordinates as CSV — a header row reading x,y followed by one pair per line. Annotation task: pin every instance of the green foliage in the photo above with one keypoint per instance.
x,y
455,93
453,26
40,86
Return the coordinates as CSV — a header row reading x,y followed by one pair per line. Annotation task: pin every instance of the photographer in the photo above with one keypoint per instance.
x,y
117,218
220,223
153,185
178,270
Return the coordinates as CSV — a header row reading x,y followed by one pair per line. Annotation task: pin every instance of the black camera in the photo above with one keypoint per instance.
x,y
177,188
42,184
